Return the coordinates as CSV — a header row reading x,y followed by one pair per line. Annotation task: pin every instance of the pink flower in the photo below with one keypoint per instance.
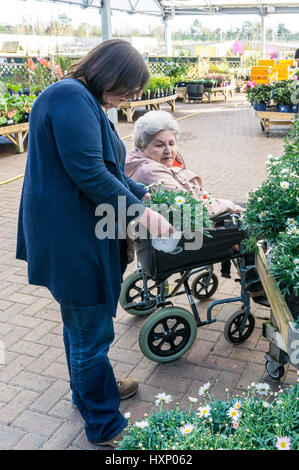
x,y
283,443
235,424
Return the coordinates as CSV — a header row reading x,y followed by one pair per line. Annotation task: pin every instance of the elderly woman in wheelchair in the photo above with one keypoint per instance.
x,y
170,331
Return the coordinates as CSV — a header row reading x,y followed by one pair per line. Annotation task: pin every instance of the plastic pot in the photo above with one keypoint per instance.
x,y
284,109
260,106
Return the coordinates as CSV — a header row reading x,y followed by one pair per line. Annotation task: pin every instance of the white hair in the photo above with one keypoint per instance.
x,y
150,124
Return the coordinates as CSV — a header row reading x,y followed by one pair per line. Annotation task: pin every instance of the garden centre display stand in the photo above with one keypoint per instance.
x,y
17,134
128,107
275,118
226,91
280,329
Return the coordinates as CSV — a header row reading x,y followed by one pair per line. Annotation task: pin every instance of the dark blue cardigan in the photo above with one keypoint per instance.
x,y
72,167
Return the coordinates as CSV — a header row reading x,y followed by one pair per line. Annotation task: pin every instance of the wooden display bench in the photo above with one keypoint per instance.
x,y
128,107
275,118
17,134
209,93
226,91
280,329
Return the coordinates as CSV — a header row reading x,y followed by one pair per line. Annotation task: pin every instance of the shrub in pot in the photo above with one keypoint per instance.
x,y
261,95
282,97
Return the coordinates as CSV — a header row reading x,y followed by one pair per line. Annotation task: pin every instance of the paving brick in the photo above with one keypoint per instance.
x,y
42,424
58,371
44,360
48,399
40,331
9,437
34,382
63,437
14,367
10,411
8,392
30,442
28,348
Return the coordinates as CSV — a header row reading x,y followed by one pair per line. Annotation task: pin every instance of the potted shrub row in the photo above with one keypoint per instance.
x,y
283,94
157,87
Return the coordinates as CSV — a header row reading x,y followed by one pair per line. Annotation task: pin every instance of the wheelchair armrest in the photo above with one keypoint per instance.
x,y
221,217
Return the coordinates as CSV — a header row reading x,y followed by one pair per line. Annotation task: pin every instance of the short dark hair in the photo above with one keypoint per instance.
x,y
114,66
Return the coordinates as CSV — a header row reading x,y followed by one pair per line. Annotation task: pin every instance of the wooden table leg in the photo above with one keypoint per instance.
x,y
267,127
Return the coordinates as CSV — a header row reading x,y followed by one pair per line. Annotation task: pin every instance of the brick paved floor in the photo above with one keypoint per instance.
x,y
227,148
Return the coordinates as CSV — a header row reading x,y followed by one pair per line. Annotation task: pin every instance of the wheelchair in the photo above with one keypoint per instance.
x,y
170,331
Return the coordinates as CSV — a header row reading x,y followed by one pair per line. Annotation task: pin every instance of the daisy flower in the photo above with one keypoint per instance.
x,y
293,230
204,411
163,398
235,424
233,413
291,221
187,429
263,214
141,424
127,415
204,389
237,405
284,184
192,400
283,443
262,389
180,200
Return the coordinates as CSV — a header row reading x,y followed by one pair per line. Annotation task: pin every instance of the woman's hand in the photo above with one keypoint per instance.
x,y
155,223
146,197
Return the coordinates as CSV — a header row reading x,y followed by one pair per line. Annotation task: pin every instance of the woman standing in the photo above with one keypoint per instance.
x,y
75,162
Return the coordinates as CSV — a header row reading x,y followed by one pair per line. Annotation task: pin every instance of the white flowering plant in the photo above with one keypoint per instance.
x,y
181,209
259,419
272,215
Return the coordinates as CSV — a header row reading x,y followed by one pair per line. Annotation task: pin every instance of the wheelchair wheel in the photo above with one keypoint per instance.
x,y
167,334
202,290
232,330
132,290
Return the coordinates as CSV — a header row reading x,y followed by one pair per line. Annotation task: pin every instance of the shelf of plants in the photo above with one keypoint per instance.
x,y
275,103
272,216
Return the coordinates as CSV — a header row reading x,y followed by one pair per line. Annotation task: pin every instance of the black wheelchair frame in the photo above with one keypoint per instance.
x,y
174,328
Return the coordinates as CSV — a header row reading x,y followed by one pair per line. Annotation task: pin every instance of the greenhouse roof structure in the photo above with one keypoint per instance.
x,y
168,8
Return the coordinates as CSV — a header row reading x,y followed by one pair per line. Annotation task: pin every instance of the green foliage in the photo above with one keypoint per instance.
x,y
272,214
176,70
256,421
182,210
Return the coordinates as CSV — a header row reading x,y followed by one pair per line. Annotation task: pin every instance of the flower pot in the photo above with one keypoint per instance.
x,y
194,91
167,244
260,106
284,109
294,108
9,121
254,105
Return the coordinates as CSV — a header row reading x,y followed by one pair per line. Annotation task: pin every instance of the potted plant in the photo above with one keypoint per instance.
x,y
182,210
261,96
282,96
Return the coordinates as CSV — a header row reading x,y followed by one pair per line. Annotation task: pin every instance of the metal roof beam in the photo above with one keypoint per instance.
x,y
234,11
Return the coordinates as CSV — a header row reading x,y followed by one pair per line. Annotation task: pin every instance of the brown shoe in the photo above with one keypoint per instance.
x,y
127,388
113,443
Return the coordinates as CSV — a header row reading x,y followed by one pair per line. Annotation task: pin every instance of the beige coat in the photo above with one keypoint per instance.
x,y
147,171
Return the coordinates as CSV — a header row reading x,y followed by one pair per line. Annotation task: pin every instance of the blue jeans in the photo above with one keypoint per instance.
x,y
88,332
